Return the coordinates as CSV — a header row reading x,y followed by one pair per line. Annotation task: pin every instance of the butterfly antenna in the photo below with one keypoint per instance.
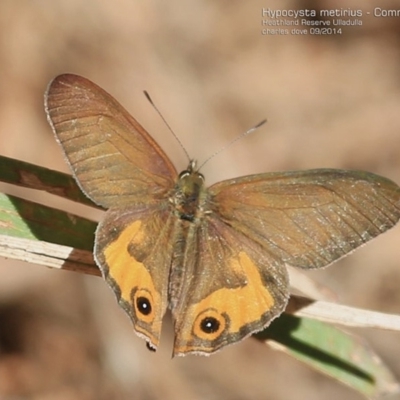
x,y
166,123
241,136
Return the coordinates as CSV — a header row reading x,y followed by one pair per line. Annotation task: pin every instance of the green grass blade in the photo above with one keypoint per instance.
x,y
28,220
32,176
332,352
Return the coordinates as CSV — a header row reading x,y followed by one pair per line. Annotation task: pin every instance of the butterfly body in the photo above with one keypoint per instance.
x,y
215,256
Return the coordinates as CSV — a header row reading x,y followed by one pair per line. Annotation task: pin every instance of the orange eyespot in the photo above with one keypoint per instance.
x,y
210,324
143,304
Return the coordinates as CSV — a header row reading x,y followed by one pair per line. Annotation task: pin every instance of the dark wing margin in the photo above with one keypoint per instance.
x,y
308,219
113,158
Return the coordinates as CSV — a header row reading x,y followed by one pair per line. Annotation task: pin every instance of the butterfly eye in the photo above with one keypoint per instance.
x,y
183,174
210,324
188,172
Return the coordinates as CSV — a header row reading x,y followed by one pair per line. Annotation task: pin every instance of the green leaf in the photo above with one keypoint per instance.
x,y
28,220
31,176
333,352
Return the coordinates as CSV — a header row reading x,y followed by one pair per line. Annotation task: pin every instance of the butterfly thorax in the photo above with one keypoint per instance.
x,y
189,201
189,194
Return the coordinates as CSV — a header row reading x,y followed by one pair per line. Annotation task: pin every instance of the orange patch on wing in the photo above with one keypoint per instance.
x,y
242,305
127,272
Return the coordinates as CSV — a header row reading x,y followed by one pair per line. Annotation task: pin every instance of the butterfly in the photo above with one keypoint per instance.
x,y
214,256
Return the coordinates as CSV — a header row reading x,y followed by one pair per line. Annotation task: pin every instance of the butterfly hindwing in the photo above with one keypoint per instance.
x,y
231,289
133,249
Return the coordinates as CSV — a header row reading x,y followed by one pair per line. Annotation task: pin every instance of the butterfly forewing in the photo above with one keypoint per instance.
x,y
115,161
308,219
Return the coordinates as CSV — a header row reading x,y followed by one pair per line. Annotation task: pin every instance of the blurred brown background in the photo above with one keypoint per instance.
x,y
331,101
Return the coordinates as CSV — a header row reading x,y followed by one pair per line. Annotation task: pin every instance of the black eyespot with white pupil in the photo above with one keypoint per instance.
x,y
143,305
209,325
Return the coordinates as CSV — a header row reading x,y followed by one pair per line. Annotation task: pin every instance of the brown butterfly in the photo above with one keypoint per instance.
x,y
214,256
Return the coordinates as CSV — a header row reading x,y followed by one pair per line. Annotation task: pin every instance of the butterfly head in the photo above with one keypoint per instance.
x,y
189,191
191,172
